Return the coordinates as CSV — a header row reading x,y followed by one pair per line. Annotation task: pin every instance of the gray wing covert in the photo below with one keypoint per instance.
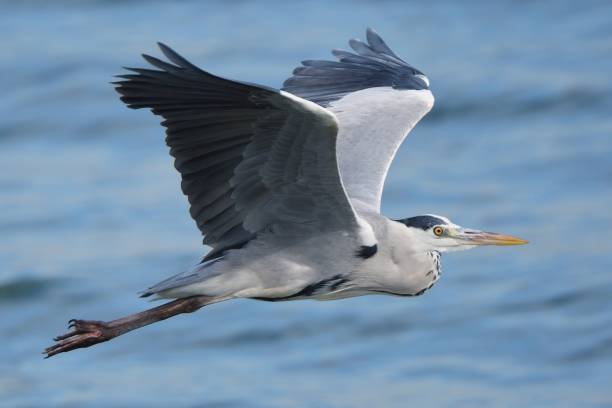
x,y
251,158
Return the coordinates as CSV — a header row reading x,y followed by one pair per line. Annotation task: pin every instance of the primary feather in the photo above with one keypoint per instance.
x,y
251,158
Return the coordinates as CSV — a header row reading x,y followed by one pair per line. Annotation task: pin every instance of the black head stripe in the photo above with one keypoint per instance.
x,y
423,222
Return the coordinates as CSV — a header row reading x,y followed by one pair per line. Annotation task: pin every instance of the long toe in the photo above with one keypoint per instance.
x,y
83,333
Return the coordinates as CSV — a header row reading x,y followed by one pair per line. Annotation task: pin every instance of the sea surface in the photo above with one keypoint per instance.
x,y
519,141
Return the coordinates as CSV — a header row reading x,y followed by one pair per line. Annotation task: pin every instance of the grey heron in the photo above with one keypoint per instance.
x,y
286,185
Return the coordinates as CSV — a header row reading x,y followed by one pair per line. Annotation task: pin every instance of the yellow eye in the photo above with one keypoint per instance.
x,y
438,231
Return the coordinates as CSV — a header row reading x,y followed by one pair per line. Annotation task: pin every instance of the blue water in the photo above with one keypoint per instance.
x,y
520,141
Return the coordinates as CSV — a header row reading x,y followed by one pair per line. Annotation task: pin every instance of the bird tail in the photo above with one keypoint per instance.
x,y
198,273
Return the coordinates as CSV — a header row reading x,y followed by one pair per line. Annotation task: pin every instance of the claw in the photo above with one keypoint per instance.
x,y
83,333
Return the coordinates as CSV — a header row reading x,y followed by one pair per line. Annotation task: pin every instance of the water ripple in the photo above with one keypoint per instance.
x,y
24,288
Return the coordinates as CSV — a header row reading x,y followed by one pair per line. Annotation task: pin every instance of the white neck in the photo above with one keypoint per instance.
x,y
402,263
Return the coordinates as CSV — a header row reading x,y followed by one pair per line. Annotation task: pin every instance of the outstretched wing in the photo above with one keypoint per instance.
x,y
251,158
377,98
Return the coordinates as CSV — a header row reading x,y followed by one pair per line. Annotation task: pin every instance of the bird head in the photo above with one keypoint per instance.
x,y
437,233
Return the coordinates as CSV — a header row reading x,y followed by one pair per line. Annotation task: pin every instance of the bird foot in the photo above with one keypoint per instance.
x,y
83,333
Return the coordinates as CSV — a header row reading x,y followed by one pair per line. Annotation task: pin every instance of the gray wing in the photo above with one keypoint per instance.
x,y
377,98
251,158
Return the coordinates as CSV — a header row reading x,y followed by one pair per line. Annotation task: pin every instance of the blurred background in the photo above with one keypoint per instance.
x,y
519,141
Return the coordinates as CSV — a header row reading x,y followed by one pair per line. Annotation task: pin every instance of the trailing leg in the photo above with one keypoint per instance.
x,y
86,333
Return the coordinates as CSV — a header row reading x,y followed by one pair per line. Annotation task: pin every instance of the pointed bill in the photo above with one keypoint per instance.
x,y
489,238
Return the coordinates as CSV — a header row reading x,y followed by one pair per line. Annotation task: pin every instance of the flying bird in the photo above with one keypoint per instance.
x,y
286,185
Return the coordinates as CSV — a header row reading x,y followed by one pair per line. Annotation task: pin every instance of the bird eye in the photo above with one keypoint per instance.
x,y
438,231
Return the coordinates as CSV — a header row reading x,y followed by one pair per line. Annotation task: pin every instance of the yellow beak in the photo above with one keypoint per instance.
x,y
489,238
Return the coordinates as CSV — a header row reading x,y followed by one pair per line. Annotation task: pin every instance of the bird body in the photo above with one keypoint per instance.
x,y
323,267
286,185
293,211
281,264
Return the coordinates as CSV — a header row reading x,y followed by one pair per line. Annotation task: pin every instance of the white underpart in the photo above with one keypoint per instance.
x,y
373,124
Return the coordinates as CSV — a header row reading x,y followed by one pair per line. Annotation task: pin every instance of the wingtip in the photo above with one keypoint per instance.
x,y
338,53
354,41
132,69
373,37
165,49
176,58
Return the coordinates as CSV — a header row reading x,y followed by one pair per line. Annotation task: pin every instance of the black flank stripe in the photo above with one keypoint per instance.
x,y
366,252
333,283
